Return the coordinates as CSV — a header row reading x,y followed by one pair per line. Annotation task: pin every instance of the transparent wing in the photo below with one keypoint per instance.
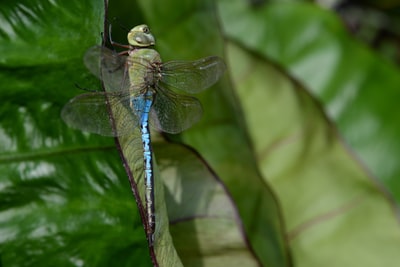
x,y
90,113
108,66
193,76
174,113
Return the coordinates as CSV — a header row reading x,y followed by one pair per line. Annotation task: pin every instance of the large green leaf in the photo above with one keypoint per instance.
x,y
336,214
358,88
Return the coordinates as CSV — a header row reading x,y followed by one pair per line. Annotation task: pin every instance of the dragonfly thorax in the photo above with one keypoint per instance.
x,y
143,68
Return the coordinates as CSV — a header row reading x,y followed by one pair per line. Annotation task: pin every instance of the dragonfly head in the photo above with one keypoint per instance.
x,y
140,36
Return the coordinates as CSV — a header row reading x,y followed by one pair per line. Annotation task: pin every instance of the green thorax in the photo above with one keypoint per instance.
x,y
143,64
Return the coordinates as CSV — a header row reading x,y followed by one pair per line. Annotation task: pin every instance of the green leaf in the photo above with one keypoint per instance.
x,y
358,88
204,222
336,215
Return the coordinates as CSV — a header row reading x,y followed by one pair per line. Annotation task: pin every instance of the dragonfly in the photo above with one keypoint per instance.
x,y
154,93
